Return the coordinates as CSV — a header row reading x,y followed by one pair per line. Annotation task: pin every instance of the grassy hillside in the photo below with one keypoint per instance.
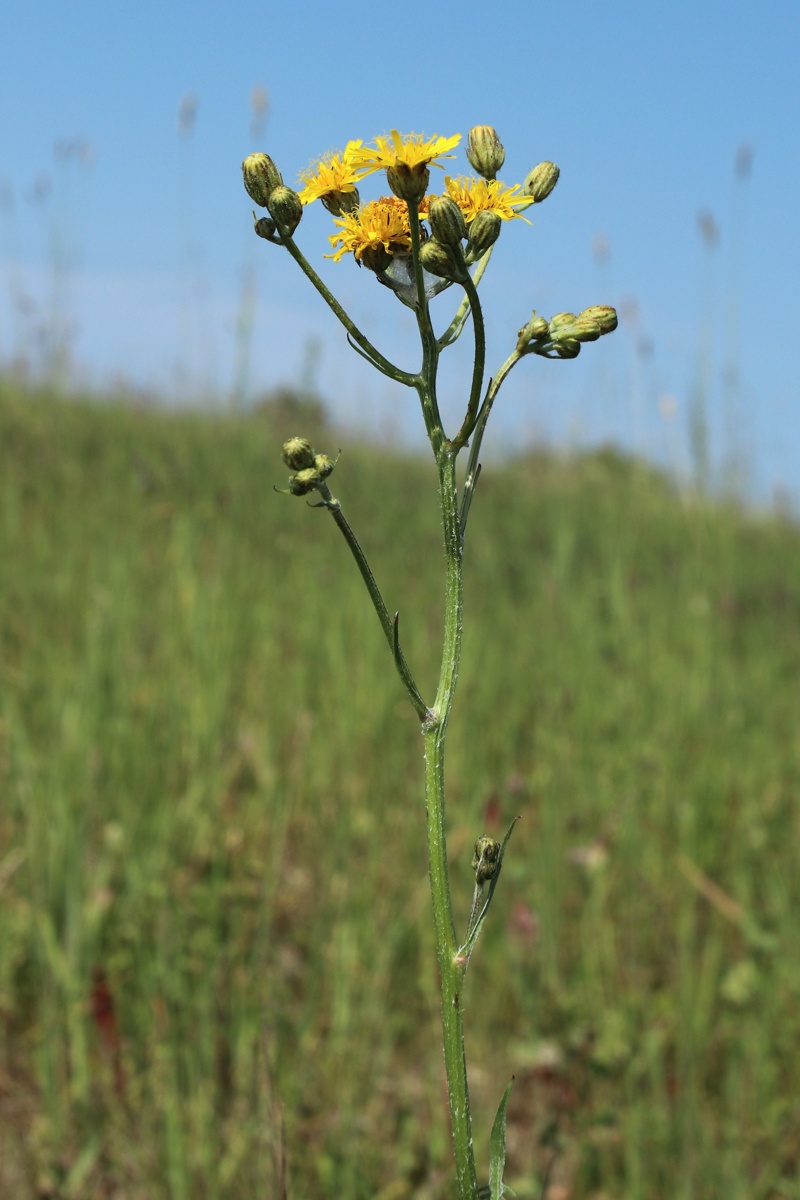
x,y
213,893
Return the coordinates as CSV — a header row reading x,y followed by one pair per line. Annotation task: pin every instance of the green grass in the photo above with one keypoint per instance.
x,y
213,889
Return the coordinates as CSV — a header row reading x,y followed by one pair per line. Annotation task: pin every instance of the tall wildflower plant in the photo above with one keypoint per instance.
x,y
418,244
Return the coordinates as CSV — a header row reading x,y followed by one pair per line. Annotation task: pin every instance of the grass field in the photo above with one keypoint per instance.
x,y
214,918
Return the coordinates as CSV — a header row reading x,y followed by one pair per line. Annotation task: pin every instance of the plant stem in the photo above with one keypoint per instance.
x,y
388,625
434,729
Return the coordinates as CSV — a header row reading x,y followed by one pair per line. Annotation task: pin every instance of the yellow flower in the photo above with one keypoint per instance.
x,y
411,151
380,229
486,195
334,174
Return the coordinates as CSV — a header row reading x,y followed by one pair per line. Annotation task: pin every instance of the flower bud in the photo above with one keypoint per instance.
x,y
298,453
323,465
585,329
561,319
408,183
446,221
438,260
485,151
536,330
567,347
604,315
484,860
265,228
286,209
540,182
304,482
261,177
484,231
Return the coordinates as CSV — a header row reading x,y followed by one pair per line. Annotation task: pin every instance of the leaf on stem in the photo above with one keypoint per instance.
x,y
497,1149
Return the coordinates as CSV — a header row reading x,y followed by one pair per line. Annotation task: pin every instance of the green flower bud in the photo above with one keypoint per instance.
x,y
536,330
604,315
298,454
261,177
323,465
567,347
484,860
446,221
438,260
485,151
286,208
484,231
540,182
304,482
562,318
409,183
585,329
265,228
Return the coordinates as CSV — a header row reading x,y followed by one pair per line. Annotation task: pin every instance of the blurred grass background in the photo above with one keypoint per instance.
x,y
215,943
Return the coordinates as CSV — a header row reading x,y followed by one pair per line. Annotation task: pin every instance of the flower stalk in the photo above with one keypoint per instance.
x,y
390,238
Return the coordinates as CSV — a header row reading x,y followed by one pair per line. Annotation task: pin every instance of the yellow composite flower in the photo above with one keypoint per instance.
x,y
333,174
411,150
381,223
486,195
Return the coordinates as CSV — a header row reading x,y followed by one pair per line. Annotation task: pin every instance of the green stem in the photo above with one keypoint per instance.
x,y
471,416
451,970
388,624
374,356
473,466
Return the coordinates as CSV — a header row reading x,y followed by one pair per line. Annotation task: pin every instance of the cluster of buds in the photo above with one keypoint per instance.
x,y
310,469
562,336
264,185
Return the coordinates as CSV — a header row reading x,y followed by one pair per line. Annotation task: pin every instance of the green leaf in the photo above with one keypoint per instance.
x,y
497,1148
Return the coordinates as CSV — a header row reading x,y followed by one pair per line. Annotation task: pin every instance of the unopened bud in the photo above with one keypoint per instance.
x,y
446,221
604,315
408,183
567,347
298,453
485,151
536,330
286,208
585,329
261,178
304,482
265,228
484,860
438,260
560,319
484,231
540,182
323,465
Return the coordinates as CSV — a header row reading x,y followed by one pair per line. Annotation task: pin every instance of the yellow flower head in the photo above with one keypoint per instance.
x,y
380,228
486,195
411,151
334,174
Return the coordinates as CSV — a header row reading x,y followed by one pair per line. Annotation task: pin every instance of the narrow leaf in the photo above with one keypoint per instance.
x,y
497,1148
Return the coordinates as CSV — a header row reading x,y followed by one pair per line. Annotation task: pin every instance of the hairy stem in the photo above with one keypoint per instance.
x,y
451,971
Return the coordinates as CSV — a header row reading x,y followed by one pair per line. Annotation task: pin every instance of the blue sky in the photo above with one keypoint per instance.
x,y
134,241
